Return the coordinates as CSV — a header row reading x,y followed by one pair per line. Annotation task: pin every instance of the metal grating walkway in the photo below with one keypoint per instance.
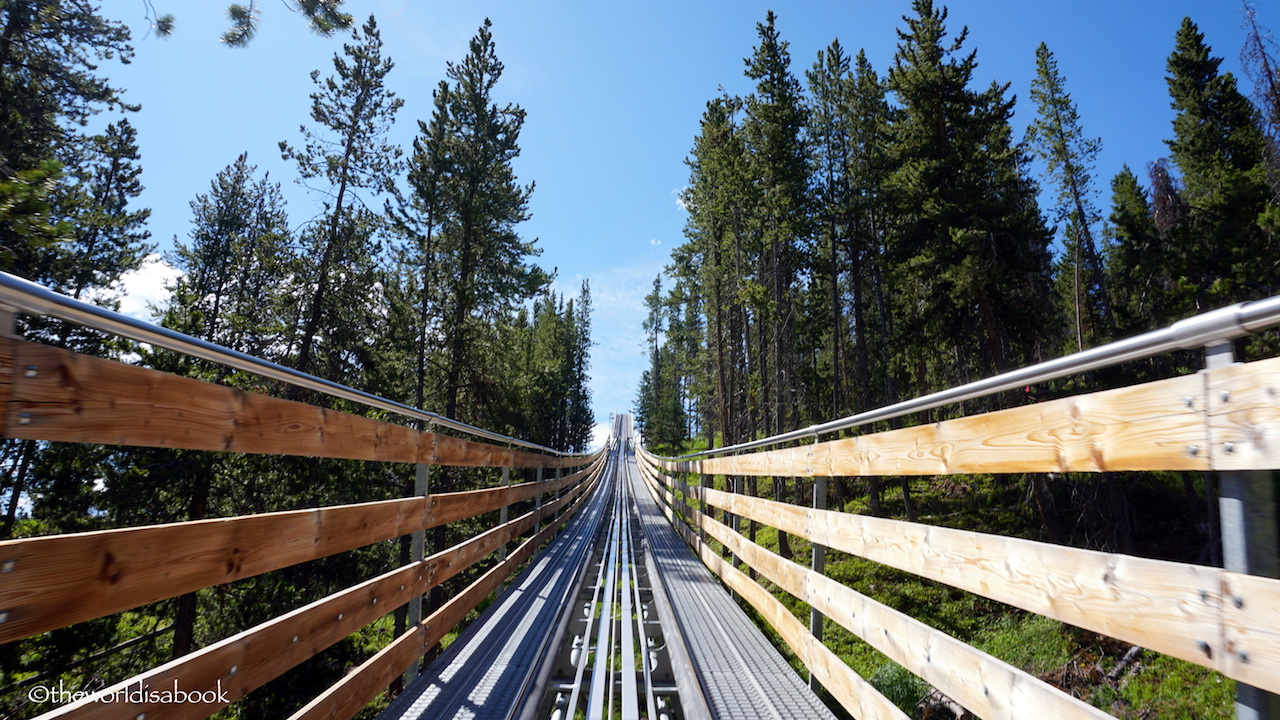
x,y
487,672
499,668
743,676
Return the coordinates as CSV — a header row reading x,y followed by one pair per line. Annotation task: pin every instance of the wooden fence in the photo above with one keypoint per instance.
x,y
1223,419
51,582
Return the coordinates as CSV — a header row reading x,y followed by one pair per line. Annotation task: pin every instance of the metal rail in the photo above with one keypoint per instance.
x,y
1216,326
621,660
17,294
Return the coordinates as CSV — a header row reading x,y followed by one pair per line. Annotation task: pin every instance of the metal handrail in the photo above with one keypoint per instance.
x,y
23,295
1213,327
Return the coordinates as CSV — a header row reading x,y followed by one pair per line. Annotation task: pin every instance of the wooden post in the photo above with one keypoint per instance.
x,y
417,551
819,566
1247,511
8,322
559,472
503,514
538,503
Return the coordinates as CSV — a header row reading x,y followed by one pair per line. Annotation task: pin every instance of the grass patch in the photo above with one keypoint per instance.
x,y
1170,689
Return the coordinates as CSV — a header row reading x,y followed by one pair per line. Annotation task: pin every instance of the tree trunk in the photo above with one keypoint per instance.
x,y
322,286
25,453
752,526
184,620
863,372
1043,492
779,494
717,335
908,506
1122,529
1214,523
322,282
837,332
1189,490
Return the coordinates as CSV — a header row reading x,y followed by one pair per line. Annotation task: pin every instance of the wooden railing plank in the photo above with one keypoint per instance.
x,y
8,370
363,684
359,687
1144,427
1152,603
448,507
79,398
1251,626
1187,611
981,683
1244,413
246,661
849,688
64,579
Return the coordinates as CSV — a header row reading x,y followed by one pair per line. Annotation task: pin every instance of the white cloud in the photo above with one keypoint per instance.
x,y
145,287
599,433
654,241
679,193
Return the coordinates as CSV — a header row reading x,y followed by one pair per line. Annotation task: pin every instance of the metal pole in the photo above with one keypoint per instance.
x,y
1247,508
1194,332
417,552
819,565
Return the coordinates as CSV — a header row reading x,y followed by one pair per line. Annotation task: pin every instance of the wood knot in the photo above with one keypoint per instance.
x,y
235,562
111,570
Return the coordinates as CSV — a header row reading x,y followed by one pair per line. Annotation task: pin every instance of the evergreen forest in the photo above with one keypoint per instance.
x,y
859,236
410,280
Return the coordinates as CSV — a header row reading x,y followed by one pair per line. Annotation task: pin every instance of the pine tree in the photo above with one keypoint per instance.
x,y
970,252
718,256
107,236
48,85
778,160
471,269
1219,148
1261,61
112,236
418,219
659,404
238,268
1058,139
869,171
555,402
581,420
830,81
1135,260
482,205
351,153
49,88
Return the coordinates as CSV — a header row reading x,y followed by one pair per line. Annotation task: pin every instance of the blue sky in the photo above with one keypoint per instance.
x,y
614,92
